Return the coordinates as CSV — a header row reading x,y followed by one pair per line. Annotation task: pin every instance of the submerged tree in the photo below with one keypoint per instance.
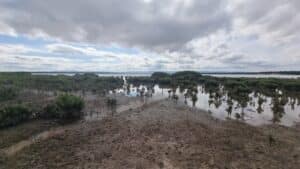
x,y
169,92
277,108
128,89
260,102
230,107
237,116
194,99
186,95
175,98
292,103
142,92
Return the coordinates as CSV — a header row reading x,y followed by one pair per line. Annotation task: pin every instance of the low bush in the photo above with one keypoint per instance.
x,y
51,111
13,115
66,108
69,107
111,102
7,93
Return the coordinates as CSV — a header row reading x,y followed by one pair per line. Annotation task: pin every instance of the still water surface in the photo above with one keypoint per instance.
x,y
219,108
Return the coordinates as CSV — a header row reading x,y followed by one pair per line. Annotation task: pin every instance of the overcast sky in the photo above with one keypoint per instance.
x,y
149,35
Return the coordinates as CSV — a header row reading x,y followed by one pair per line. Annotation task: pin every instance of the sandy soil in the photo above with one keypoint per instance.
x,y
163,135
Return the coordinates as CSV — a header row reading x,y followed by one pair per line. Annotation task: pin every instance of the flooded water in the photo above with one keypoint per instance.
x,y
250,113
255,112
280,76
117,74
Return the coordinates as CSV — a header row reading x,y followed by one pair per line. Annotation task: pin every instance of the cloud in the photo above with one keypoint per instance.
x,y
275,22
153,24
168,35
78,50
9,49
63,57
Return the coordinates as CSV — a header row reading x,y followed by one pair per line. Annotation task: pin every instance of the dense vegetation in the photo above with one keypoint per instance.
x,y
187,79
17,105
7,93
83,82
66,108
69,107
13,115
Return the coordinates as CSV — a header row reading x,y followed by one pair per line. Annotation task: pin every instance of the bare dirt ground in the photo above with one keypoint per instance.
x,y
162,135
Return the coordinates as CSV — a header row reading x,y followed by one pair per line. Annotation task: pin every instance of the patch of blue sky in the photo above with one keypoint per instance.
x,y
118,50
23,40
39,46
114,48
59,55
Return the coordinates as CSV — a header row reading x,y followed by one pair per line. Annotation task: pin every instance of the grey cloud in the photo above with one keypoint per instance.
x,y
134,22
241,61
172,30
233,59
276,20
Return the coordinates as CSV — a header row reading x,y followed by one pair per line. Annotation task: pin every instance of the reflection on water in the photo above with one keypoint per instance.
x,y
252,108
153,93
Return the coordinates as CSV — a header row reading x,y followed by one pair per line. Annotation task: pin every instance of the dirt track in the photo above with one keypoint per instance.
x,y
163,135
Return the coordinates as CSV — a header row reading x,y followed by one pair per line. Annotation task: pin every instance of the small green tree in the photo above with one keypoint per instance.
x,y
69,107
230,107
8,93
13,115
51,111
175,98
169,92
112,104
194,99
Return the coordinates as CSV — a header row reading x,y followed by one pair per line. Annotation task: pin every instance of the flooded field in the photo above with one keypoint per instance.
x,y
257,110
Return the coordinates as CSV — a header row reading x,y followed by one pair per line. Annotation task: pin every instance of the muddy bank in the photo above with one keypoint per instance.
x,y
163,135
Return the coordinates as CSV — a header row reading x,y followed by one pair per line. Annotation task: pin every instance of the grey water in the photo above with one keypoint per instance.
x,y
117,74
280,76
218,109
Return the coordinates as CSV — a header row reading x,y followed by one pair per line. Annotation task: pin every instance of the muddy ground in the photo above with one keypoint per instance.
x,y
162,135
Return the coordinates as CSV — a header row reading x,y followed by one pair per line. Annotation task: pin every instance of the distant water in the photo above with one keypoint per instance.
x,y
99,74
281,76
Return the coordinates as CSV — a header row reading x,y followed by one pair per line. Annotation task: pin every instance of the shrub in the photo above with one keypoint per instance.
x,y
194,99
51,111
111,102
13,115
69,107
161,78
7,93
